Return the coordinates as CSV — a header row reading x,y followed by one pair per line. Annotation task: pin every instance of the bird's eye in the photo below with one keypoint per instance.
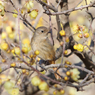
x,y
42,31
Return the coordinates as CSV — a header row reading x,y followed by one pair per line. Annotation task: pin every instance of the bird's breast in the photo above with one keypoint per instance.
x,y
44,47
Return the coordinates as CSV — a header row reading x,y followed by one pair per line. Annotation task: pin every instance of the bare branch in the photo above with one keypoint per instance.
x,y
73,9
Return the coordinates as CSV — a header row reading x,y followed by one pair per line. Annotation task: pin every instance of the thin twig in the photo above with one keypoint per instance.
x,y
73,9
86,4
58,4
13,5
84,80
69,66
50,25
78,3
20,43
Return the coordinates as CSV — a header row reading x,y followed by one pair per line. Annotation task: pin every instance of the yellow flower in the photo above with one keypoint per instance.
x,y
8,85
24,49
26,41
31,56
13,91
62,91
15,15
17,50
68,73
75,46
24,71
80,35
3,60
38,59
43,86
29,5
62,33
3,35
75,28
13,64
75,74
66,78
67,39
37,52
33,14
12,51
4,46
36,81
11,35
9,29
65,52
86,35
80,47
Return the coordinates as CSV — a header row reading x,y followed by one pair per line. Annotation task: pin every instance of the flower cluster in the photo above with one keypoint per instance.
x,y
36,81
78,47
75,74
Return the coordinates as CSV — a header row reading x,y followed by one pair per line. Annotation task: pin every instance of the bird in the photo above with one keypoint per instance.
x,y
41,42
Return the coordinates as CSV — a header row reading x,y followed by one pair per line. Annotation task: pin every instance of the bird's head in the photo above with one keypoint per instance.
x,y
43,31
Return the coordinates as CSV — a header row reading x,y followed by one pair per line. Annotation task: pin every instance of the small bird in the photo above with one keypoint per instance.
x,y
41,43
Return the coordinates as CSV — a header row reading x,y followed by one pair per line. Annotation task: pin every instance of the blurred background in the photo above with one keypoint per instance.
x,y
9,31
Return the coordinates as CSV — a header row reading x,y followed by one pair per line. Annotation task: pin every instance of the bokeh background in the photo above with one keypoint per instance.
x,y
77,17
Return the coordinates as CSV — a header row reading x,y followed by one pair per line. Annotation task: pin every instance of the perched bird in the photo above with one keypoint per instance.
x,y
41,43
